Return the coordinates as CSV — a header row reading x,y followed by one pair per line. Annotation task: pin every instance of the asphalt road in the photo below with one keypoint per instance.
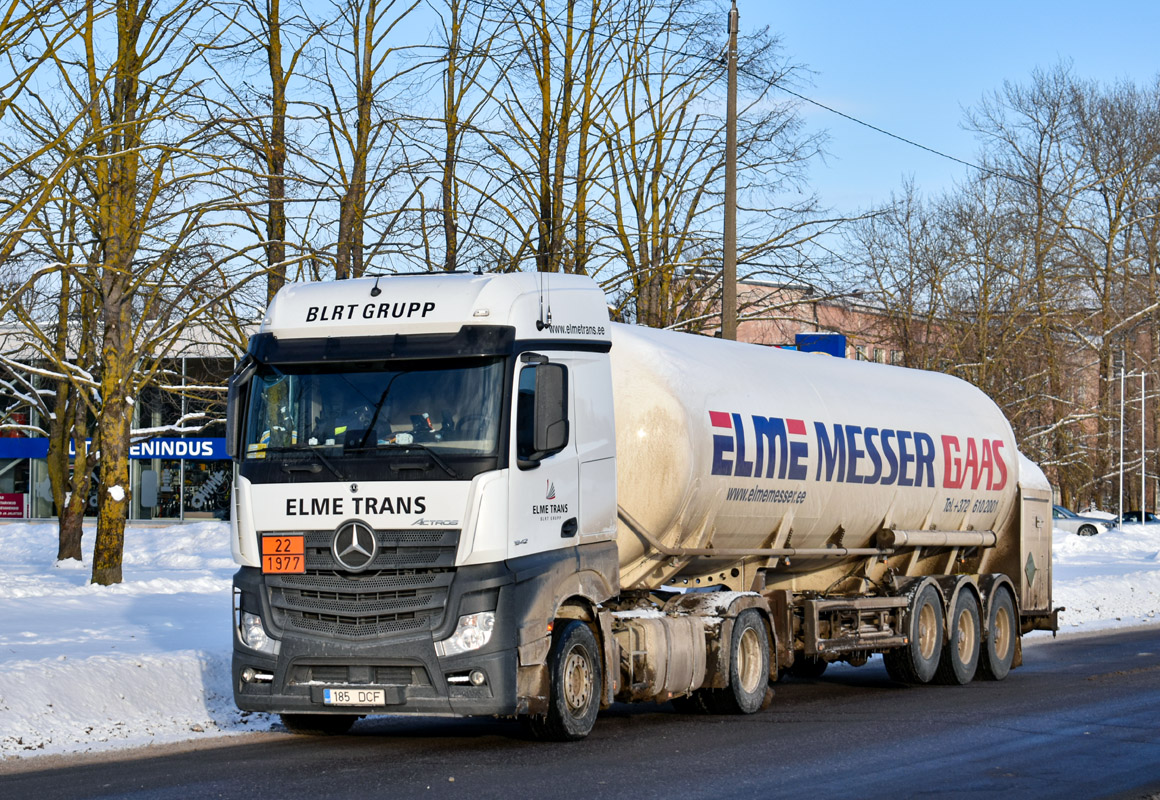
x,y
1080,719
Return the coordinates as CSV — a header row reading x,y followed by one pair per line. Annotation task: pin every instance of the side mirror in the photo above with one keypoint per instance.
x,y
238,391
541,414
551,425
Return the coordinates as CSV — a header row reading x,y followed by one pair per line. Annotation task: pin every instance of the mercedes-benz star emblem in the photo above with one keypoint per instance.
x,y
354,546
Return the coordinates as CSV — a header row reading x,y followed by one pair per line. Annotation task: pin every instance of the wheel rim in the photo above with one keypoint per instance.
x,y
577,681
927,631
966,636
749,661
1001,634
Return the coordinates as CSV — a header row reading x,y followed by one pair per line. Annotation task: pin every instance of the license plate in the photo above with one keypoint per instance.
x,y
283,554
354,697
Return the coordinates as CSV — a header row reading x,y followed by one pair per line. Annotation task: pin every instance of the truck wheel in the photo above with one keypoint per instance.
x,y
960,655
808,668
748,667
918,660
318,724
574,685
998,650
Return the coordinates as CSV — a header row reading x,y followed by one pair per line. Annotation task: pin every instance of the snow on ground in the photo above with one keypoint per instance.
x,y
1107,581
86,667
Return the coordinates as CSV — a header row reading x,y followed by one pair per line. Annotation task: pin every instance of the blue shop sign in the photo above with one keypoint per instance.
x,y
202,448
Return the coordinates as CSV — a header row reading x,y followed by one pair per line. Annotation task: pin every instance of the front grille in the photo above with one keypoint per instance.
x,y
404,590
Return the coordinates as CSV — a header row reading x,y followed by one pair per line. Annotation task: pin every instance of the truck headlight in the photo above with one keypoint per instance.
x,y
472,633
254,635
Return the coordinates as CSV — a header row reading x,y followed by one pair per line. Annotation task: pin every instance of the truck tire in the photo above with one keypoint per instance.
x,y
998,651
960,655
749,655
574,685
917,661
318,724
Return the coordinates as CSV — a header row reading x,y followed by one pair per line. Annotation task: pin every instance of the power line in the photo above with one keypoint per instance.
x,y
584,30
589,31
885,132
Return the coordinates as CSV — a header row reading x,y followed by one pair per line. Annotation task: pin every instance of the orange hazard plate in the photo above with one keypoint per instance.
x,y
283,554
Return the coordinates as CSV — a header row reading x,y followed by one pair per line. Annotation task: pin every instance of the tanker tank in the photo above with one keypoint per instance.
x,y
727,445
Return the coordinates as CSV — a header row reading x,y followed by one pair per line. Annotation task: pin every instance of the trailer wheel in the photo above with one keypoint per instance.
x,y
917,661
748,667
574,685
808,668
998,650
318,724
960,656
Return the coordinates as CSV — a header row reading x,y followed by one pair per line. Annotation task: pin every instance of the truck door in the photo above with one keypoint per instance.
x,y
545,484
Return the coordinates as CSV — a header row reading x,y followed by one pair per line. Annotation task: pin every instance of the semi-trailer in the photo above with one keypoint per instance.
x,y
466,494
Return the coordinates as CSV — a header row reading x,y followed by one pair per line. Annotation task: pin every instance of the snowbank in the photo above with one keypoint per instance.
x,y
86,667
1107,581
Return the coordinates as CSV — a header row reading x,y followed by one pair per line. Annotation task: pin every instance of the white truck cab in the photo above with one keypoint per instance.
x,y
420,487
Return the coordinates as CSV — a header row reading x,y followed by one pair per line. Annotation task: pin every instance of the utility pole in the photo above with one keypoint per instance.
x,y
729,265
1120,507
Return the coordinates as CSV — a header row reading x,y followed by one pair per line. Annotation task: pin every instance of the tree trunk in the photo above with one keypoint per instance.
x,y
72,514
114,424
276,160
57,463
450,209
114,427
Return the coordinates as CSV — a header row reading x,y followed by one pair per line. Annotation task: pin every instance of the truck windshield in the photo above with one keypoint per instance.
x,y
370,410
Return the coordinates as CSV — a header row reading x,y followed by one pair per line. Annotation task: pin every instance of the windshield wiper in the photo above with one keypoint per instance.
x,y
298,448
438,459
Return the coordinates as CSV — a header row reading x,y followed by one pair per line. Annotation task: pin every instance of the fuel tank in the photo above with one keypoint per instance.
x,y
729,445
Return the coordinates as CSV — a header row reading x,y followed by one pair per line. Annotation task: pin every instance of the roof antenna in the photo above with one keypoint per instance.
x,y
545,319
375,290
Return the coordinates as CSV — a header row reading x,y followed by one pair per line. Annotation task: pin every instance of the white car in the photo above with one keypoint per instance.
x,y
1072,522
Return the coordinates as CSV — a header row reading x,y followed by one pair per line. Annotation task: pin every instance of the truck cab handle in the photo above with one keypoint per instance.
x,y
569,528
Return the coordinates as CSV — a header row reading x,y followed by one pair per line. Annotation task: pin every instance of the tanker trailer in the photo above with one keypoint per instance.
x,y
474,495
874,508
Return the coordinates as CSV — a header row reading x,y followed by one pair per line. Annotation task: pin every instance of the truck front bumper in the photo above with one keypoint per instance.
x,y
413,677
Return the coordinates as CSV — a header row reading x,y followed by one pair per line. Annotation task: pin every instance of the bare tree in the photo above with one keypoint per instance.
x,y
666,145
465,96
269,43
359,68
145,184
1027,136
1111,134
901,258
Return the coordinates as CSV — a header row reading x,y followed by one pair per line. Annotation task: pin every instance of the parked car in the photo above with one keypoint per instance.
x,y
1133,517
1072,522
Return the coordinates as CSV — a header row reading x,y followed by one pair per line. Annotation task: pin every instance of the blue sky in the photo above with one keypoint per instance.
x,y
913,67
